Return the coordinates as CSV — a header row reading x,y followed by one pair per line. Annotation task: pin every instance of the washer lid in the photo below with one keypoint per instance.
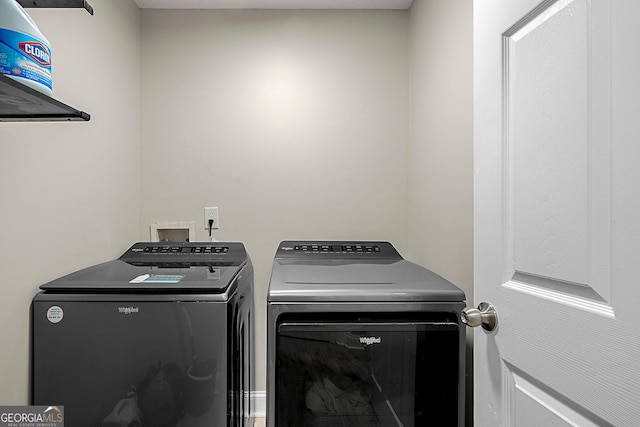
x,y
153,267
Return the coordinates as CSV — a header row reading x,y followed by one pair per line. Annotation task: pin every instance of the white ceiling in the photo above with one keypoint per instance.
x,y
274,4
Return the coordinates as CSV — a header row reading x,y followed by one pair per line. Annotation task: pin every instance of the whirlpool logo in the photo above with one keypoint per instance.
x,y
35,416
370,340
128,310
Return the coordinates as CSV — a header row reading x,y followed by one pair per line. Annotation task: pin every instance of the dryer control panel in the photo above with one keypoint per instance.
x,y
337,250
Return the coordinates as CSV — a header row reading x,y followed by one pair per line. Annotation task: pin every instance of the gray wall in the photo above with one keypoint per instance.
x,y
294,123
440,183
69,192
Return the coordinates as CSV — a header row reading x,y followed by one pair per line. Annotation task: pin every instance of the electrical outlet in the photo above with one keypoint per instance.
x,y
211,213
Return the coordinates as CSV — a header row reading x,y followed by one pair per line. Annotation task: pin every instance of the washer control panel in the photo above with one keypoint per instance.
x,y
186,253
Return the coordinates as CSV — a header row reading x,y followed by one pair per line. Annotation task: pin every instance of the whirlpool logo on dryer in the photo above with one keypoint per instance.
x,y
370,340
128,310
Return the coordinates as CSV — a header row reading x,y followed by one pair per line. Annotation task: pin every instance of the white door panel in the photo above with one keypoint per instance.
x,y
557,211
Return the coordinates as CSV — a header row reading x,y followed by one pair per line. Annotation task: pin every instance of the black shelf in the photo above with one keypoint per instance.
x,y
20,103
57,4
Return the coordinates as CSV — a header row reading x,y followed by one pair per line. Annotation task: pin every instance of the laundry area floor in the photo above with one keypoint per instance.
x,y
259,422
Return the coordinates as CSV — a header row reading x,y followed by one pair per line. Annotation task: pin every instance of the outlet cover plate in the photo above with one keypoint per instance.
x,y
211,213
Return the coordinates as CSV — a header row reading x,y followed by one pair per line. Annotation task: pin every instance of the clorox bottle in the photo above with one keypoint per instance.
x,y
25,54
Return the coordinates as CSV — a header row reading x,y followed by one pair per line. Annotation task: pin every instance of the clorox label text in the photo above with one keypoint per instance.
x,y
37,51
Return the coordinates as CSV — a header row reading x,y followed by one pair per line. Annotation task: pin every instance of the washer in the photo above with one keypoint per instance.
x,y
358,336
162,336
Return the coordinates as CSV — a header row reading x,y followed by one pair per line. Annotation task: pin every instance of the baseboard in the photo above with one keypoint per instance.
x,y
259,403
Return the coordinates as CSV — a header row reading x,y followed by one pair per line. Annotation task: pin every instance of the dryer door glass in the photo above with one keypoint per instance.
x,y
367,374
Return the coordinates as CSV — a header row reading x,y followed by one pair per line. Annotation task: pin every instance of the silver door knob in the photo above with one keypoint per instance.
x,y
484,315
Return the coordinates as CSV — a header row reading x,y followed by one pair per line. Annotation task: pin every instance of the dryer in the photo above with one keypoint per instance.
x,y
162,336
359,336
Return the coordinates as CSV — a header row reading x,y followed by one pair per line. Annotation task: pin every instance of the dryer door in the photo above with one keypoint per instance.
x,y
367,374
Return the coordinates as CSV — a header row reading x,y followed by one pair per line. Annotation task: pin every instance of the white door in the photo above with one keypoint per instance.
x,y
557,211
